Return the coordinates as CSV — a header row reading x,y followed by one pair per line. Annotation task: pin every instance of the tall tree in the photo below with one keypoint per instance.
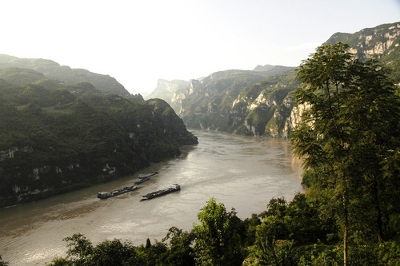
x,y
180,250
3,263
347,129
217,241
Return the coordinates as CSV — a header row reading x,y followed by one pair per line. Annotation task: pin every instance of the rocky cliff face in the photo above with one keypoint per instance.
x,y
371,42
170,91
242,102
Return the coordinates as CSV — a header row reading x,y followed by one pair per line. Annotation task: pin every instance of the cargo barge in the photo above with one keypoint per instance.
x,y
105,195
152,195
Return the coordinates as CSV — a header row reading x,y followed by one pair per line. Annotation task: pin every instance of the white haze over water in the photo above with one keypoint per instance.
x,y
138,42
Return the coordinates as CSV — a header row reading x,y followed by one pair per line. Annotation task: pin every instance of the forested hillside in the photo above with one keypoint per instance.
x,y
56,137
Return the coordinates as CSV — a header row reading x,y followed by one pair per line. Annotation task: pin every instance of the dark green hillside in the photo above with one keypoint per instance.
x,y
20,76
272,70
65,74
55,138
174,129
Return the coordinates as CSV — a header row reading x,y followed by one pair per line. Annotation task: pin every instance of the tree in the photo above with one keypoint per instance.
x,y
113,253
79,249
268,249
180,251
109,252
149,254
250,225
217,241
3,263
347,130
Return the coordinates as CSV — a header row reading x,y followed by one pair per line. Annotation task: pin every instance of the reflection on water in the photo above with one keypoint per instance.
x,y
242,172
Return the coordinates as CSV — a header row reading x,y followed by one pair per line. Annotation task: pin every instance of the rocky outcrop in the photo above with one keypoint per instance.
x,y
240,102
173,92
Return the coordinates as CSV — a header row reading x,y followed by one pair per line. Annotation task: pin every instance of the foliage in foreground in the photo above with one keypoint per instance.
x,y
3,263
348,138
286,234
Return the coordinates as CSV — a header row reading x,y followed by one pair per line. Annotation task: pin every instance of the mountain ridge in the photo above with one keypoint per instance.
x,y
53,70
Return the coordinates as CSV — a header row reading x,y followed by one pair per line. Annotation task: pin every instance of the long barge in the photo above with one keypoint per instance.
x,y
152,195
144,177
105,195
147,175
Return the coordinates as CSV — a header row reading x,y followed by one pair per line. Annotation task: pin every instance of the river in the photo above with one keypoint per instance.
x,y
241,172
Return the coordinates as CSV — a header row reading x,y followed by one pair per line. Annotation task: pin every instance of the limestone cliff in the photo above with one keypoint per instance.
x,y
242,102
370,42
171,91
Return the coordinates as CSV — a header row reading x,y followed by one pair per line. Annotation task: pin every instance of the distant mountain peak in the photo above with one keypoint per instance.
x,y
272,68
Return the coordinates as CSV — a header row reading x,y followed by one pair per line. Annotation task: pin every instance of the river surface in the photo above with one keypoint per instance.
x,y
241,172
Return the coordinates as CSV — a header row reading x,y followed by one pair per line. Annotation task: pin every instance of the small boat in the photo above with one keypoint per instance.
x,y
141,180
172,188
105,195
144,177
147,175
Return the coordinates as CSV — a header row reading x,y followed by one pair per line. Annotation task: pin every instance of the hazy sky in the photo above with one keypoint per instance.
x,y
138,42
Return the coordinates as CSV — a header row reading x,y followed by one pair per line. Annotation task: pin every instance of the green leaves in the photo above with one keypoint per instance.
x,y
217,241
348,127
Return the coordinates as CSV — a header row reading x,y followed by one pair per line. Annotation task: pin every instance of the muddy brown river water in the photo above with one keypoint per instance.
x,y
241,172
